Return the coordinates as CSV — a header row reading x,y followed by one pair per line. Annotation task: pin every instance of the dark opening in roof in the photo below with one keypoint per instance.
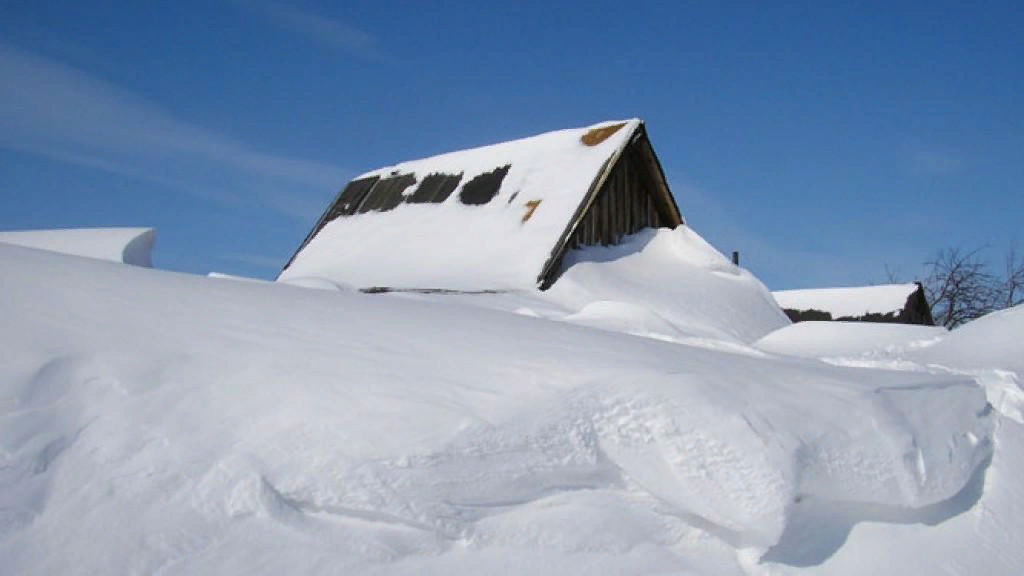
x,y
483,188
350,198
435,188
387,194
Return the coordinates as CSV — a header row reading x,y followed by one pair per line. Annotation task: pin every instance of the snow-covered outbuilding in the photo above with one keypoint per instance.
x,y
902,303
491,218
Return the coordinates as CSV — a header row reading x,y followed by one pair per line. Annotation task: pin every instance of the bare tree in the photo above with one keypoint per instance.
x,y
960,287
1012,286
893,275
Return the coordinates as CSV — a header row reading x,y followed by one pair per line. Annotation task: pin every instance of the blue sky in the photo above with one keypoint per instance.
x,y
823,142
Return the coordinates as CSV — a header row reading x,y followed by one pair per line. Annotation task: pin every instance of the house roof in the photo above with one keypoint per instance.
x,y
485,218
848,302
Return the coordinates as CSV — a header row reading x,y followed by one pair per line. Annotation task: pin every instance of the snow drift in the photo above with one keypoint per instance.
x,y
128,245
675,275
817,339
158,422
982,535
663,284
992,341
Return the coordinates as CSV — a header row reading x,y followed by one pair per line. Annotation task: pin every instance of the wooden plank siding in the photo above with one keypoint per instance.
x,y
623,206
632,196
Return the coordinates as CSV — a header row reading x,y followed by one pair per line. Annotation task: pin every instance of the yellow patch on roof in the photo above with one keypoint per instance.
x,y
531,207
595,136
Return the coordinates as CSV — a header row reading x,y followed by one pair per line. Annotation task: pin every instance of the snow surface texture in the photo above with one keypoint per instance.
x,y
847,302
128,245
984,538
459,247
153,422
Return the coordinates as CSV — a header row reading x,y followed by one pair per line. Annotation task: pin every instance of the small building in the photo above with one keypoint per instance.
x,y
901,303
492,218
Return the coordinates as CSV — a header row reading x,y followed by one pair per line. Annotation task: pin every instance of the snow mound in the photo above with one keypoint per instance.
x,y
991,349
992,341
694,289
821,339
128,245
159,422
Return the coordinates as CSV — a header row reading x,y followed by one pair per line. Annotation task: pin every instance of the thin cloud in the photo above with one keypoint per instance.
x,y
325,31
53,110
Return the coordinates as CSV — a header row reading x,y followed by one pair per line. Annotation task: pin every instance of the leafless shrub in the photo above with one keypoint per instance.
x,y
960,285
1012,287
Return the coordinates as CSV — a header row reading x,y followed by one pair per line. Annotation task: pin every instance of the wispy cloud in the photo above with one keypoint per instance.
x,y
318,28
52,109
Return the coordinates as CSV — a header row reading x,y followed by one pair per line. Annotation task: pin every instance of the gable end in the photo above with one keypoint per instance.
x,y
628,194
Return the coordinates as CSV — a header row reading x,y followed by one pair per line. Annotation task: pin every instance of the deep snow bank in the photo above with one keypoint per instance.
x,y
992,341
128,245
662,284
983,537
820,339
991,349
160,422
675,275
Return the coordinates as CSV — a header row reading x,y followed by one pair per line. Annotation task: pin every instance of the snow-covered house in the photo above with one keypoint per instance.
x,y
491,218
902,303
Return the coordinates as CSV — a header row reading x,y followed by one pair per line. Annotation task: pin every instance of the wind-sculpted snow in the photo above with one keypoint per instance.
x,y
128,245
679,275
158,422
978,530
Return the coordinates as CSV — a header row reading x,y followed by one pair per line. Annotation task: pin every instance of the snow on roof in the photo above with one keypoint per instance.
x,y
479,235
846,302
128,245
